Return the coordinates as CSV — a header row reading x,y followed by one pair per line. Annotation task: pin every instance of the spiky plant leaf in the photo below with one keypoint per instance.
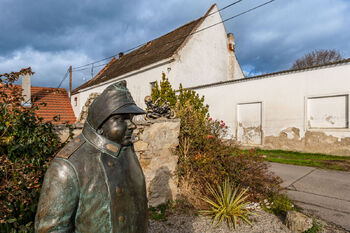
x,y
227,205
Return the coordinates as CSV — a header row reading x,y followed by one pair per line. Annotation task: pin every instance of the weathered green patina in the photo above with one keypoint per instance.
x,y
95,184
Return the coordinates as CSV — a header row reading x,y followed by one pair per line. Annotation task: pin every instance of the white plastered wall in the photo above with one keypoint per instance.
x,y
204,58
284,99
138,82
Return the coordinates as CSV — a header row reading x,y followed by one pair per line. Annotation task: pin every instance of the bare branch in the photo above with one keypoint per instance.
x,y
317,57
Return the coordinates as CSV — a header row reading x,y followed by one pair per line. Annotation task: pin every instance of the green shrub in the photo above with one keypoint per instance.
x,y
316,228
26,147
205,158
220,161
23,132
159,213
228,205
192,98
164,92
278,204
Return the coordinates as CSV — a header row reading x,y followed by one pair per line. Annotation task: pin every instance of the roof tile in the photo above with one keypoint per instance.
x,y
57,103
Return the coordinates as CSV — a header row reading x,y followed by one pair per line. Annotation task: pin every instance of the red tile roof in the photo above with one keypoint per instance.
x,y
152,52
57,104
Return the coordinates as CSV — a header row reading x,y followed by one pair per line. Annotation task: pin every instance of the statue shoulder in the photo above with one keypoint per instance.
x,y
71,147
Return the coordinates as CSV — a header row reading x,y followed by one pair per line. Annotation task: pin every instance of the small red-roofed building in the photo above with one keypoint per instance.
x,y
58,108
54,104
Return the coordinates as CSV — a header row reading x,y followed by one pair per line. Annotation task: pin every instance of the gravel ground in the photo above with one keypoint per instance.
x,y
263,223
182,223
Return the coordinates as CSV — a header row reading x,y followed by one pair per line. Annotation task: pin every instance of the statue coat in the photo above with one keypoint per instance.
x,y
93,185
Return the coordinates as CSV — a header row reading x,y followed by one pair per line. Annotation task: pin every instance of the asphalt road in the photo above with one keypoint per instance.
x,y
326,193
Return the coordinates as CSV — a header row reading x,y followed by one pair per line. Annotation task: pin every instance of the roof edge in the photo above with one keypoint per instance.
x,y
96,76
341,62
124,76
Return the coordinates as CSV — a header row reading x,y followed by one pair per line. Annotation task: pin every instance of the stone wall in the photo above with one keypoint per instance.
x,y
84,110
154,144
312,142
62,131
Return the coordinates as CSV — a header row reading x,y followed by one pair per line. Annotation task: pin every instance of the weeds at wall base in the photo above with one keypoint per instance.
x,y
278,205
316,228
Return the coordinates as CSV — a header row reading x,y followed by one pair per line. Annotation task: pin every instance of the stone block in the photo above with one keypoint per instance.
x,y
298,222
140,146
156,140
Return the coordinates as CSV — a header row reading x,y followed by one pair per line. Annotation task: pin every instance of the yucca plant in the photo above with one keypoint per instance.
x,y
228,205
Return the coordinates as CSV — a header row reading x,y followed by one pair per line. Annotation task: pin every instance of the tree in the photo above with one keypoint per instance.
x,y
27,145
164,91
317,57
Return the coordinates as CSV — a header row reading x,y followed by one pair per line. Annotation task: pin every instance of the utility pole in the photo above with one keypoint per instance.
x,y
70,82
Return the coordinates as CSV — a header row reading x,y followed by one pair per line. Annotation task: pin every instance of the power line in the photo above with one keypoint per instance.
x,y
215,24
247,11
64,78
232,17
135,47
210,26
96,61
90,68
225,7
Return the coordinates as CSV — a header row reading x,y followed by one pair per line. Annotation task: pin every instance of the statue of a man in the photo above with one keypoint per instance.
x,y
95,183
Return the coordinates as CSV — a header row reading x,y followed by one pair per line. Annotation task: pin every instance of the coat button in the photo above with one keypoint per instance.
x,y
110,163
118,190
121,218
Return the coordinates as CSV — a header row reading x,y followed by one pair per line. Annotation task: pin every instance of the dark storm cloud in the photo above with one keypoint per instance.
x,y
272,38
58,25
51,35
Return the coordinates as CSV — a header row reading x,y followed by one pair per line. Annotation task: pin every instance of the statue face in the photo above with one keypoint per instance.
x,y
119,128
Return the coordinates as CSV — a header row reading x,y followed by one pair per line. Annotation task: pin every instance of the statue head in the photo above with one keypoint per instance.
x,y
111,113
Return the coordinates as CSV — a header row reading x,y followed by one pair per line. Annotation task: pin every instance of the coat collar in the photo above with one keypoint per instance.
x,y
101,143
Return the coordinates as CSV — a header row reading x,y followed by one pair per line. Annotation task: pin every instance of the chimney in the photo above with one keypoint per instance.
x,y
120,55
26,94
234,69
231,42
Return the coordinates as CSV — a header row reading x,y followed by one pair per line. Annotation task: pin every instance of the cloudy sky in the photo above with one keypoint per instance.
x,y
50,35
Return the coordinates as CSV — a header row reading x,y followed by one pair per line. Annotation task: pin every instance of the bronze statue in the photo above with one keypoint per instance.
x,y
154,110
95,183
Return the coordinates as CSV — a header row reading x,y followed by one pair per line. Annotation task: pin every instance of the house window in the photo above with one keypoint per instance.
x,y
75,101
328,112
152,84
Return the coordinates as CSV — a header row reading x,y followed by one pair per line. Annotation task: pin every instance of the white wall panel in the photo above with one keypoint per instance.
x,y
249,123
329,112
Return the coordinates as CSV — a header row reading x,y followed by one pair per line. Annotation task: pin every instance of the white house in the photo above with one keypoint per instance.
x,y
304,110
193,54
